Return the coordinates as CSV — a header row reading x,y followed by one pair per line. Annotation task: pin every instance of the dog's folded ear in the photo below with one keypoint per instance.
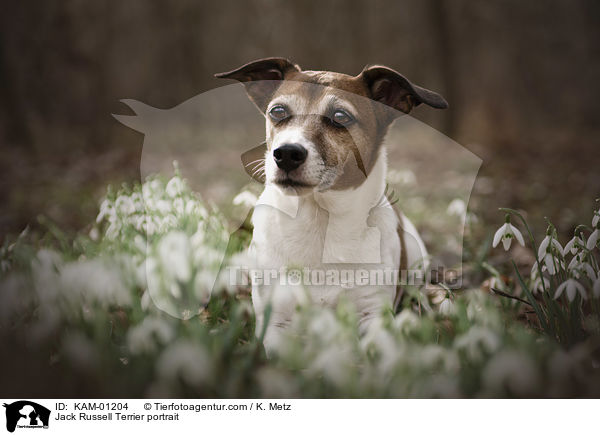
x,y
261,78
393,89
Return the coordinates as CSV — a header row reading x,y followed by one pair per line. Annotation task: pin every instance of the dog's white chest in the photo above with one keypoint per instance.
x,y
288,238
338,233
312,237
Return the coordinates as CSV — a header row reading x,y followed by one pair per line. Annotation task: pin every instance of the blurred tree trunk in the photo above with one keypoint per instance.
x,y
11,108
442,32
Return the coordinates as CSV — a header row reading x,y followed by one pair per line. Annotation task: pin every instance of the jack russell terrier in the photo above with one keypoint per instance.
x,y
324,207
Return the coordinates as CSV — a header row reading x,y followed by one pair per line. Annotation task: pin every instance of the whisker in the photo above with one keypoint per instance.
x,y
258,170
255,161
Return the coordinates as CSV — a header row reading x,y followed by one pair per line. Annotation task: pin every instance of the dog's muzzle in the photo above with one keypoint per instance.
x,y
289,156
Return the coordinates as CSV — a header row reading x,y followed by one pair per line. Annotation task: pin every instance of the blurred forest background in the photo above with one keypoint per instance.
x,y
521,77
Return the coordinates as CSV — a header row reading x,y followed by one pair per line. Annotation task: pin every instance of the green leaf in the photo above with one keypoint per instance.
x,y
538,310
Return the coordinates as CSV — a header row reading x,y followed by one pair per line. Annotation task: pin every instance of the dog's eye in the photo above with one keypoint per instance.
x,y
278,113
342,118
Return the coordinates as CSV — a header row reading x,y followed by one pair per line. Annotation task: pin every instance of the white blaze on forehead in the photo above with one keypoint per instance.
x,y
292,135
330,101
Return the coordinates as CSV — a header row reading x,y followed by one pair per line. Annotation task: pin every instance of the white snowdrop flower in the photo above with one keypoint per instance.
x,y
167,223
175,290
547,244
143,338
287,295
301,295
162,206
138,201
112,231
95,281
496,283
197,239
447,307
457,207
380,343
140,243
106,209
596,219
406,321
179,206
593,239
544,268
245,198
596,288
139,222
175,187
539,286
477,341
333,362
149,200
573,245
512,370
146,301
151,267
139,273
193,207
550,251
186,360
574,266
239,269
125,205
155,190
506,233
572,286
14,298
433,355
94,234
45,270
589,271
174,251
206,256
150,225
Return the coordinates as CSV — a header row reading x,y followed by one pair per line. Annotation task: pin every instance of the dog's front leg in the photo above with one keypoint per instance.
x,y
370,304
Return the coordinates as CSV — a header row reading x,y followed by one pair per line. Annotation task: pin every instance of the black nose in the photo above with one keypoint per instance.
x,y
289,156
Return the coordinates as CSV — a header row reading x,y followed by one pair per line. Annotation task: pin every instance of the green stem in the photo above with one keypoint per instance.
x,y
536,307
533,244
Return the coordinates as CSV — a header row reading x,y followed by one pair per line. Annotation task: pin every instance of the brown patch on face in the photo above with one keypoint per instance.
x,y
372,90
349,152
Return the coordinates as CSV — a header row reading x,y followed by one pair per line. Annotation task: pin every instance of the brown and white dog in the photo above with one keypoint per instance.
x,y
324,205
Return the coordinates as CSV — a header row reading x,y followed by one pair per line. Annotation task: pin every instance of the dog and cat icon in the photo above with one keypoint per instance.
x,y
26,414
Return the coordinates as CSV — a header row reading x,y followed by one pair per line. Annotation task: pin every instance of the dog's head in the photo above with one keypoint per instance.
x,y
324,129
